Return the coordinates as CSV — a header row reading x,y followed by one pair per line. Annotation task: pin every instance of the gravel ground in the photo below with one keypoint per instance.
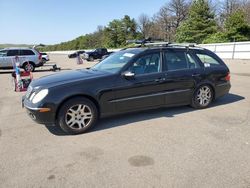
x,y
172,147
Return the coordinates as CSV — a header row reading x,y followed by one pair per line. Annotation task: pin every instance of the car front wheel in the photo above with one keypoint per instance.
x,y
77,115
202,97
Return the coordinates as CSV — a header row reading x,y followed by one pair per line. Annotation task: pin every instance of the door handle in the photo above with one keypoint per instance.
x,y
196,74
160,79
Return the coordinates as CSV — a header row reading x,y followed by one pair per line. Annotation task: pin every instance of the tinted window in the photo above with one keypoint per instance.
x,y
13,53
43,53
176,60
26,52
146,64
208,60
3,53
191,62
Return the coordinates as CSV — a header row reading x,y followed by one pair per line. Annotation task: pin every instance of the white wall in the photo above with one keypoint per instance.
x,y
237,50
234,50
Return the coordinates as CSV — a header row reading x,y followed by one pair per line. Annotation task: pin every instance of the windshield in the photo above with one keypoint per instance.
x,y
116,61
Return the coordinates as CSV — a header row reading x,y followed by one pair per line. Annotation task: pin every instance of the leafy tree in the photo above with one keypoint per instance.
x,y
118,31
199,24
216,38
237,28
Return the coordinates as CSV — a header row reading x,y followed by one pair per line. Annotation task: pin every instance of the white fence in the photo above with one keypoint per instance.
x,y
234,50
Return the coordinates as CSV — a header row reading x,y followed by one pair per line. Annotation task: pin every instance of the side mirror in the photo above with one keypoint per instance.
x,y
128,75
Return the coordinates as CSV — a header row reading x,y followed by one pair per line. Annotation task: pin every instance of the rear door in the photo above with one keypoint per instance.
x,y
145,89
27,55
182,73
11,55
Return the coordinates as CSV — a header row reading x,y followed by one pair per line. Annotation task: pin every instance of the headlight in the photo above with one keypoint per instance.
x,y
39,96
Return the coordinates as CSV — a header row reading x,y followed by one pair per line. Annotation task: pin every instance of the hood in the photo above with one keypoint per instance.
x,y
66,77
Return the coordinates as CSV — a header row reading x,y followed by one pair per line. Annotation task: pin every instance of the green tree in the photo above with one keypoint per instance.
x,y
118,31
236,27
199,25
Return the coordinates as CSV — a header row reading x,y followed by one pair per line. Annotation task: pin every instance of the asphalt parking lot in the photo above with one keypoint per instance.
x,y
171,147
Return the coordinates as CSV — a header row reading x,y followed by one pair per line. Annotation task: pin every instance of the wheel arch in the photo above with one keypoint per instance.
x,y
92,99
31,62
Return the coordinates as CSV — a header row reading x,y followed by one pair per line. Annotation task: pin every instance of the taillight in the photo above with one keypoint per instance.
x,y
228,77
40,56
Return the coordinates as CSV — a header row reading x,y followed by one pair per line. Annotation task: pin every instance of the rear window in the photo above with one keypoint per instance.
x,y
208,60
26,52
43,53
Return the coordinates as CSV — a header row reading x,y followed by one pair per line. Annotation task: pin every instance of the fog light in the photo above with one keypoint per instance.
x,y
32,116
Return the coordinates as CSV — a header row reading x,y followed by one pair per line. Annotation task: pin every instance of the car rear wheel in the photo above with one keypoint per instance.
x,y
29,67
77,115
202,97
91,58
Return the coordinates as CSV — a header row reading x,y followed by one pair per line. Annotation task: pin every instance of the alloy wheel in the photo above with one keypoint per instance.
x,y
78,116
204,96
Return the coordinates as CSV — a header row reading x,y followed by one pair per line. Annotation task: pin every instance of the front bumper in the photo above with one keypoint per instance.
x,y
42,114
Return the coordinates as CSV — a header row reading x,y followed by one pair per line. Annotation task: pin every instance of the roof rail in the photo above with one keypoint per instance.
x,y
149,43
184,44
163,44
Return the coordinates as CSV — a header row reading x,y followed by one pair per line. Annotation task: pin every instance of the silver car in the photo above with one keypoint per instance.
x,y
29,58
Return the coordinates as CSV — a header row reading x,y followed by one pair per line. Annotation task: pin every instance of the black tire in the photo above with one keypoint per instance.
x,y
44,60
71,121
202,99
91,58
29,67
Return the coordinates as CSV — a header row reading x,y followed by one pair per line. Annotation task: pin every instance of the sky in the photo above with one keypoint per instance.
x,y
55,21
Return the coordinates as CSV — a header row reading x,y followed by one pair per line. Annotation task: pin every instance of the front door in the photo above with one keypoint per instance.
x,y
145,89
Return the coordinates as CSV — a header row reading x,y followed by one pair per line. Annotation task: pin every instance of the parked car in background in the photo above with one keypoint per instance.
x,y
29,58
129,80
75,54
96,54
45,57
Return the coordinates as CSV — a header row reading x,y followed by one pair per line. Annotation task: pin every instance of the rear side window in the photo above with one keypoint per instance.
x,y
179,60
26,52
208,60
3,53
13,53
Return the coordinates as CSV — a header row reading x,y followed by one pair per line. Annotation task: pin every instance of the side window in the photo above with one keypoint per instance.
x,y
26,52
146,64
12,53
208,60
176,60
3,53
192,63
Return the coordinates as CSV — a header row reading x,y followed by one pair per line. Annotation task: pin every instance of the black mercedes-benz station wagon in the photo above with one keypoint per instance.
x,y
129,80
